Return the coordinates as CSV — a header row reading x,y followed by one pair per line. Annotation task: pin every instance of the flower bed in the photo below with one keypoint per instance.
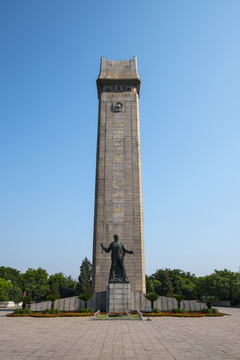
x,y
165,314
217,314
43,315
103,315
19,315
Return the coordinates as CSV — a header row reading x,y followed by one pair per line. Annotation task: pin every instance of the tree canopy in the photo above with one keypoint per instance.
x,y
222,284
5,287
85,278
37,284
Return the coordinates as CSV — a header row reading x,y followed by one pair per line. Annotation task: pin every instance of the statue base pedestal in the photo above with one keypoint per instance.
x,y
118,297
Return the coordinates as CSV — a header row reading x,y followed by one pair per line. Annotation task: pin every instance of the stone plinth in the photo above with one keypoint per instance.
x,y
118,297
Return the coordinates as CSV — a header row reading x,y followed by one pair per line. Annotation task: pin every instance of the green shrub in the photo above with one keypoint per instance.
x,y
86,310
22,311
85,297
210,311
179,298
52,311
179,311
152,296
156,310
209,299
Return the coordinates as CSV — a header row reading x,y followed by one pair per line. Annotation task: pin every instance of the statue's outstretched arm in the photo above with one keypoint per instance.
x,y
105,248
127,251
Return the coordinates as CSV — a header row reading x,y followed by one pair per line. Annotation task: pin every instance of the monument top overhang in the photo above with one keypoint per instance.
x,y
113,72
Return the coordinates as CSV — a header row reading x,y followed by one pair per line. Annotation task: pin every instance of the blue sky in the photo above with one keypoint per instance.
x,y
188,55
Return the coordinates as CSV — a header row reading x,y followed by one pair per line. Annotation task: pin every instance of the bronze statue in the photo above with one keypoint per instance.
x,y
117,271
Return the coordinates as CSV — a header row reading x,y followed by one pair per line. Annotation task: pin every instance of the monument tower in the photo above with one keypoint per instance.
x,y
118,192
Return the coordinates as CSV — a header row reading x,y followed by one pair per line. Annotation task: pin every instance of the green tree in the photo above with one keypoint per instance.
x,y
148,284
223,284
85,297
26,300
65,286
179,299
183,283
52,298
152,285
36,284
16,279
15,294
152,297
53,292
209,300
166,288
206,285
186,287
12,275
5,287
229,286
85,278
68,288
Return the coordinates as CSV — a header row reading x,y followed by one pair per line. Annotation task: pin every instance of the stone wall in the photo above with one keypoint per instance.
x,y
191,305
9,304
139,302
222,303
98,302
72,303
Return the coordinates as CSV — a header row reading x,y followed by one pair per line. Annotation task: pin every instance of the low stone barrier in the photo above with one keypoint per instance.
x,y
138,302
164,303
73,303
9,304
222,303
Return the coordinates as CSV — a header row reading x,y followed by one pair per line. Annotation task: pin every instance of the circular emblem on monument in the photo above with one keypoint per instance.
x,y
117,106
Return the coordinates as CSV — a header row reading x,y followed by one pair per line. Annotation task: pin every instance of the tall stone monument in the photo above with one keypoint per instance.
x,y
118,193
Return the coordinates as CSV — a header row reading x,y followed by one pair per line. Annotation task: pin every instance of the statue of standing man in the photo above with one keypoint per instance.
x,y
117,271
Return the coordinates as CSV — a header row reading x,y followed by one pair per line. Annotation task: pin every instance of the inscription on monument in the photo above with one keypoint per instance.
x,y
118,165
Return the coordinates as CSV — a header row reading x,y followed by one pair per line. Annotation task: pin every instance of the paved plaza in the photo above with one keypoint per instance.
x,y
85,338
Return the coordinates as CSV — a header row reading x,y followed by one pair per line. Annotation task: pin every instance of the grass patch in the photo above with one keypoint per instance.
x,y
103,316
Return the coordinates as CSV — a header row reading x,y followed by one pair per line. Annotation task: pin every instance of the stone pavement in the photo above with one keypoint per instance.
x,y
84,338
